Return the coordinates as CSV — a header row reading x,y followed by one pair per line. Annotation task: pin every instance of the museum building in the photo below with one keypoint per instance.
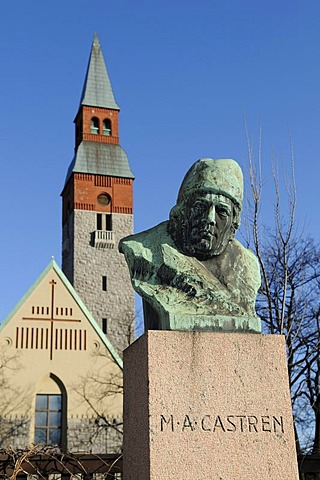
x,y
61,346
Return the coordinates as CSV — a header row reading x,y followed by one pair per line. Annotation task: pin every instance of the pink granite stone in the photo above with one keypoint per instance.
x,y
207,406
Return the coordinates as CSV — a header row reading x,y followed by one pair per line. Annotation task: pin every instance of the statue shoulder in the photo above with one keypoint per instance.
x,y
144,254
247,261
244,252
149,239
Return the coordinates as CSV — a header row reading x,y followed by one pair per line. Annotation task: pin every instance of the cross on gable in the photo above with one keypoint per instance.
x,y
52,319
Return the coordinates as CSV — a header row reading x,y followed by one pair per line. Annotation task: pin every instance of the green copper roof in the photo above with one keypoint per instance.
x,y
76,297
100,159
97,90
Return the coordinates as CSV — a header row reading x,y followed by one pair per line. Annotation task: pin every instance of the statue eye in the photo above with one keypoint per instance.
x,y
223,212
200,206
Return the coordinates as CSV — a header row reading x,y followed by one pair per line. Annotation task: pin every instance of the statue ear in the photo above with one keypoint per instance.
x,y
236,220
176,224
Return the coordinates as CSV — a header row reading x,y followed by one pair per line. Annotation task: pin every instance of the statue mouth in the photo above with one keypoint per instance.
x,y
207,233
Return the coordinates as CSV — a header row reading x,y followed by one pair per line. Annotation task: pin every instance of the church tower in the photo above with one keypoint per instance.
x,y
98,208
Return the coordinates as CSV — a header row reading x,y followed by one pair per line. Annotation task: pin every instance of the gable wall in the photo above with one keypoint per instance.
x,y
67,347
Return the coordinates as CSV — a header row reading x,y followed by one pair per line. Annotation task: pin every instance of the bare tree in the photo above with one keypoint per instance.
x,y
102,383
12,398
40,461
289,299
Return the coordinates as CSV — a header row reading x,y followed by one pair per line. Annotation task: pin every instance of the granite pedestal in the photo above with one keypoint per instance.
x,y
207,406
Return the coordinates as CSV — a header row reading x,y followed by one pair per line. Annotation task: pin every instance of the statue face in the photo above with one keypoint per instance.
x,y
208,226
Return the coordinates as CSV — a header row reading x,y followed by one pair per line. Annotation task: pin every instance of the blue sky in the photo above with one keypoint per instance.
x,y
183,73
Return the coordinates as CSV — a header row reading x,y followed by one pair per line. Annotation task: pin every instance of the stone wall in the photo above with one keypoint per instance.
x,y
67,247
14,432
90,264
91,436
85,435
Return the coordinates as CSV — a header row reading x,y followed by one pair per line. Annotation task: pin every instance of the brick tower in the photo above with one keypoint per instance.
x,y
98,207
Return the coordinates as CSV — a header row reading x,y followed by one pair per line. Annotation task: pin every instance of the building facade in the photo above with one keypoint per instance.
x,y
60,377
61,347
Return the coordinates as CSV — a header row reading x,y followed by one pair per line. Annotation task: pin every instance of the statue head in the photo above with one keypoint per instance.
x,y
207,213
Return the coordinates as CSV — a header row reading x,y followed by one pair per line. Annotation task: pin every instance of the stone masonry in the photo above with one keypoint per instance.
x,y
14,431
83,434
87,435
89,264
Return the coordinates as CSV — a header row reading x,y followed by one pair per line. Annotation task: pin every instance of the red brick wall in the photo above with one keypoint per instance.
x,y
83,190
83,122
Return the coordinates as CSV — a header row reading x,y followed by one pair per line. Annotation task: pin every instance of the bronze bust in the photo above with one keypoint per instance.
x,y
190,271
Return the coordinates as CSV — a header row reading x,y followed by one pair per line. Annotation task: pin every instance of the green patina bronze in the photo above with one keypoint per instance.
x,y
190,271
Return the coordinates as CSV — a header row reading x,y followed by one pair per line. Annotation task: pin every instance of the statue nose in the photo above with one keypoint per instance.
x,y
212,214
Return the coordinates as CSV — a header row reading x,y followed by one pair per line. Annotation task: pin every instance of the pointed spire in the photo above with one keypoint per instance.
x,y
97,89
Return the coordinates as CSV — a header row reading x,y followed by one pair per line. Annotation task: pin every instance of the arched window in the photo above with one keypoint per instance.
x,y
48,419
95,125
50,412
106,127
